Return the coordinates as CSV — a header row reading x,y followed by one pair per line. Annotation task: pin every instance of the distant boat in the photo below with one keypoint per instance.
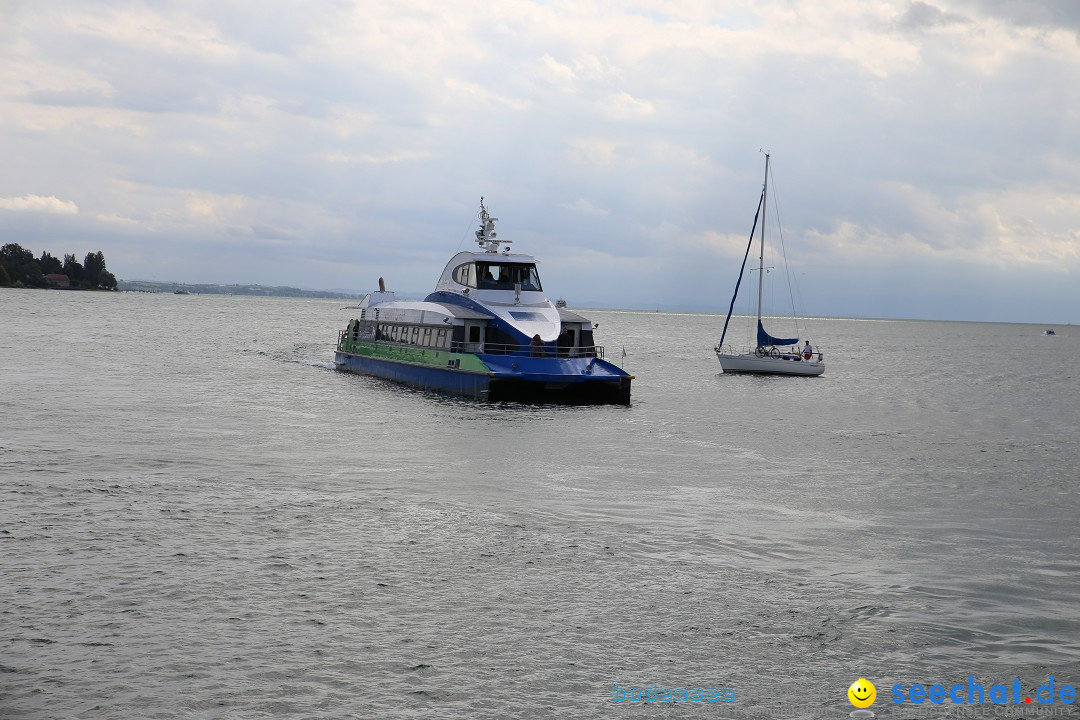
x,y
1050,331
560,303
766,357
180,291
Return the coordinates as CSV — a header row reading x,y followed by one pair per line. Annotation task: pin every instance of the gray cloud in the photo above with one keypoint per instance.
x,y
1032,13
921,15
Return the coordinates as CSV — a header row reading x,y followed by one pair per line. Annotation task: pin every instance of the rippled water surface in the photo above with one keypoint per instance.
x,y
199,517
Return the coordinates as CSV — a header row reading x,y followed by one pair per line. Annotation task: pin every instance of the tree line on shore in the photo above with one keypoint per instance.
x,y
19,268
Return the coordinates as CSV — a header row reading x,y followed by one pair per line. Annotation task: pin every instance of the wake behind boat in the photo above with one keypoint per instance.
x,y
487,332
771,355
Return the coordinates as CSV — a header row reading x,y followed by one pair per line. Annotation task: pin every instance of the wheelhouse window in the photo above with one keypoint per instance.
x,y
465,274
503,276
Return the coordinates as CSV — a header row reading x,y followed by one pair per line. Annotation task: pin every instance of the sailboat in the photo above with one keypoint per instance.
x,y
767,357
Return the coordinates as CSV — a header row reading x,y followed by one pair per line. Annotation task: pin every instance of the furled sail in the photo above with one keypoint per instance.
x,y
764,338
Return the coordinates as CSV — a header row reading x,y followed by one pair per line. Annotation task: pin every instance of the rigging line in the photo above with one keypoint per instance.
x,y
783,251
742,268
465,234
794,289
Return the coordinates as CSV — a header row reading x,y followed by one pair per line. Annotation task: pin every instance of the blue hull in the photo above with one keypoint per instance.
x,y
541,380
456,382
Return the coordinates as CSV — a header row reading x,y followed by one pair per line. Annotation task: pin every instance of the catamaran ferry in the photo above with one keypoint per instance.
x,y
486,332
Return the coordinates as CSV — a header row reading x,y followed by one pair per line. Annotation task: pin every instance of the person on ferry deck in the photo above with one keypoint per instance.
x,y
537,347
565,342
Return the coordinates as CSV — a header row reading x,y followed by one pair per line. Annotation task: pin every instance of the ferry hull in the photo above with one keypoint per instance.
x,y
603,392
456,382
769,365
539,380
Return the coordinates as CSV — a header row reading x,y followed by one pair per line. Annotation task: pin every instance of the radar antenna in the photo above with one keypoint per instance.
x,y
486,236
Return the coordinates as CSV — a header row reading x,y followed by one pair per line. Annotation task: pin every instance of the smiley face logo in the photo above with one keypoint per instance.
x,y
862,693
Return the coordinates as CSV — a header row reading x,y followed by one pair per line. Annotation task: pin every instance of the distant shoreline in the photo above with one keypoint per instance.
x,y
69,288
213,289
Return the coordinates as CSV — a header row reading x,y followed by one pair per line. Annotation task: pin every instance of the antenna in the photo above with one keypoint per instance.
x,y
486,236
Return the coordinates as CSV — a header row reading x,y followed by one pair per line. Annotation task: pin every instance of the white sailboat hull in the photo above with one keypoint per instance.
x,y
769,364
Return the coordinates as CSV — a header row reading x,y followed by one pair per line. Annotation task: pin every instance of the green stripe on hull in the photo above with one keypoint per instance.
x,y
430,357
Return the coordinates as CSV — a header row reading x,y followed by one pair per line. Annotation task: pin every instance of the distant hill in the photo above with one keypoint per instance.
x,y
208,289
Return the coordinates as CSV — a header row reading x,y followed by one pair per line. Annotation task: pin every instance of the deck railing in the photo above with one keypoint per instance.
x,y
768,351
596,351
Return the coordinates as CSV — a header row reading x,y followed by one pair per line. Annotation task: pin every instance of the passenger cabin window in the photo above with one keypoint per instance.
x,y
503,276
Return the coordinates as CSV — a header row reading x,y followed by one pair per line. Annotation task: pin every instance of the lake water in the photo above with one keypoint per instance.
x,y
200,518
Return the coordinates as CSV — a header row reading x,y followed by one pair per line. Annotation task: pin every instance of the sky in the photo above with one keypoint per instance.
x,y
925,155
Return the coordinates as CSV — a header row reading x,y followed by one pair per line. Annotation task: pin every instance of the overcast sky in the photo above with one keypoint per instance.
x,y
925,153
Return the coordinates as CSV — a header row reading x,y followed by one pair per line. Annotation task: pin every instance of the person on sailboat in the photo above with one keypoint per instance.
x,y
797,355
808,350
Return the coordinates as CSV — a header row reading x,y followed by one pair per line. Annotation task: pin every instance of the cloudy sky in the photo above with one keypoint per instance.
x,y
925,154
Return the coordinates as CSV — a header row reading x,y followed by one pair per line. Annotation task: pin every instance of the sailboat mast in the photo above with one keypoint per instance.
x,y
761,255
